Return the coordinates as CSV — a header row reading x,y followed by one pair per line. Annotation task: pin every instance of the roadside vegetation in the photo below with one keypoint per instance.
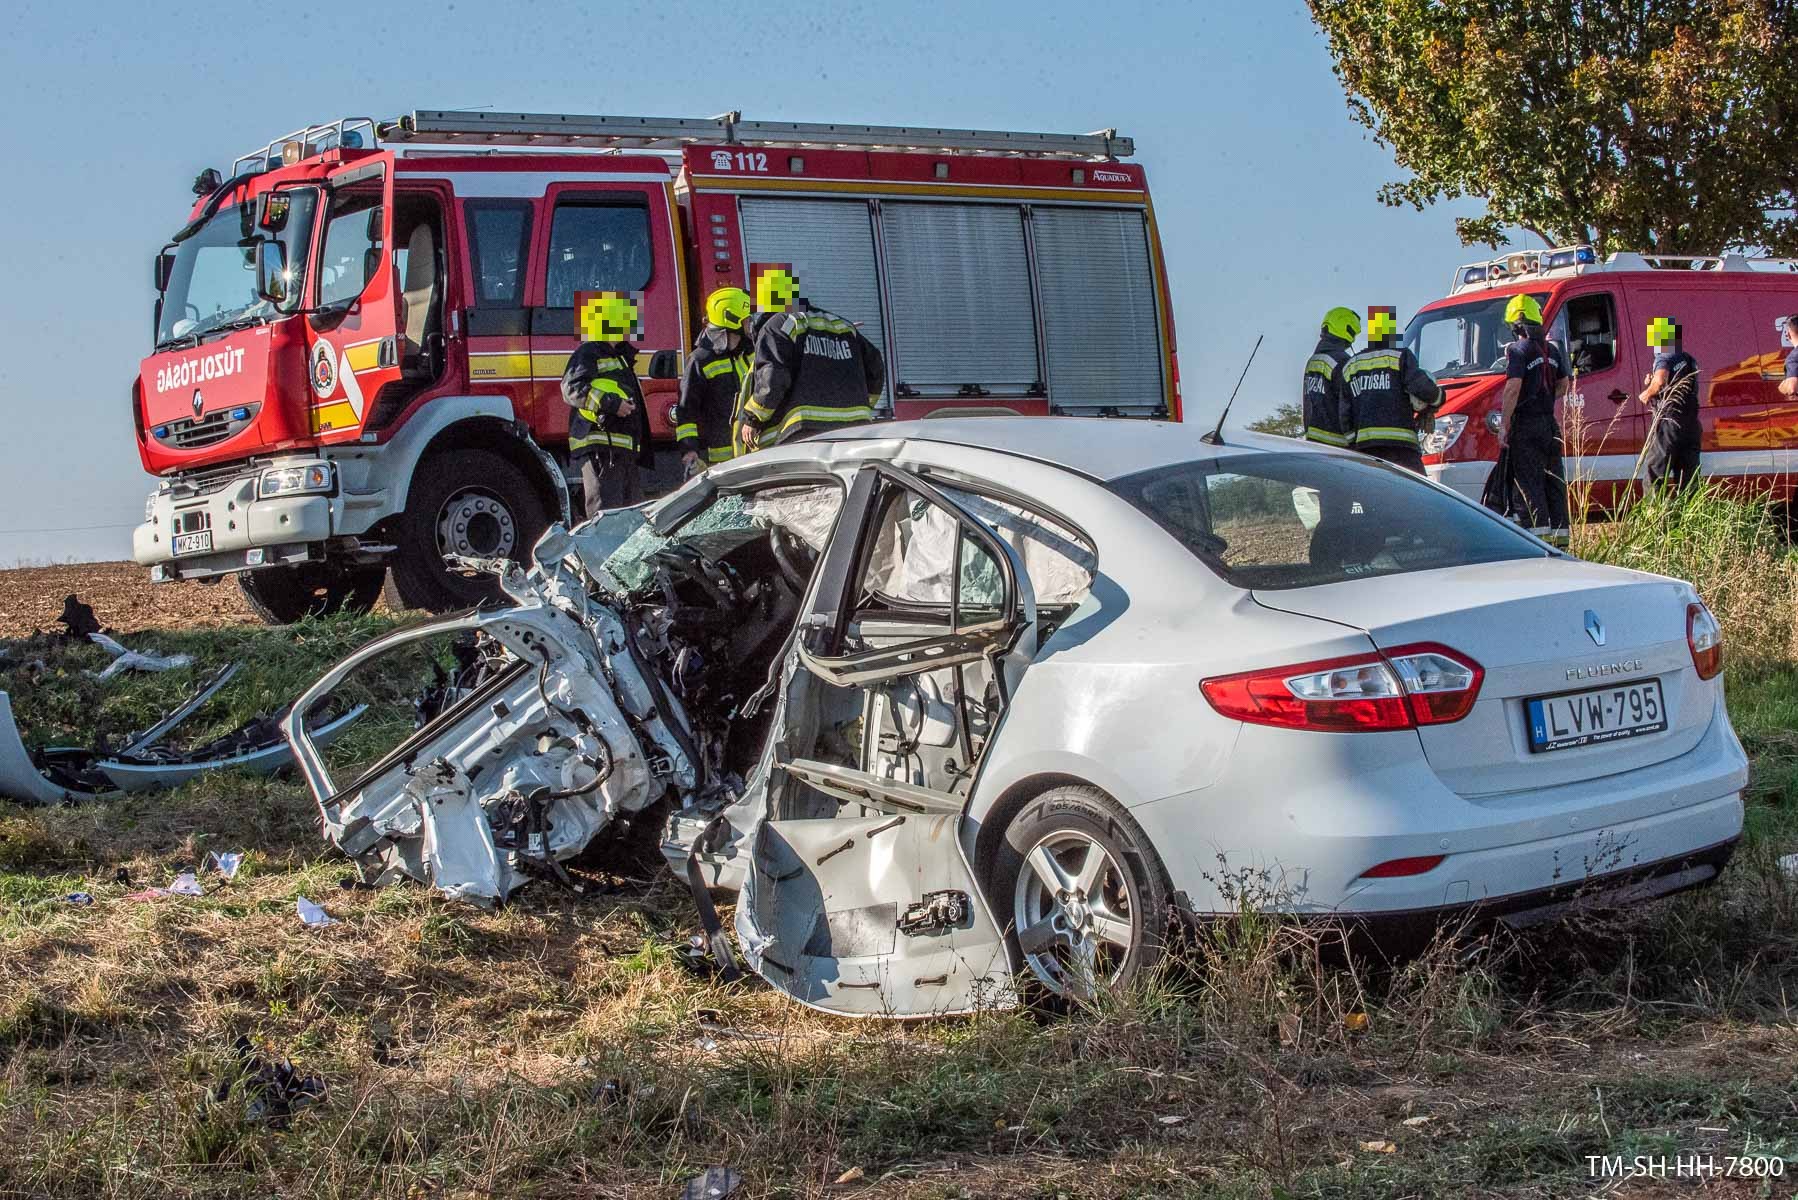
x,y
560,1046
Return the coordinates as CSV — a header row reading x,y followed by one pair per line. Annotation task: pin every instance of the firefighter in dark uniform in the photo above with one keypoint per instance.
x,y
1671,393
1535,376
1325,395
608,436
1390,396
705,419
813,371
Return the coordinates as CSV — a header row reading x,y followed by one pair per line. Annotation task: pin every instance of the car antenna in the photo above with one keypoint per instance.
x,y
1216,436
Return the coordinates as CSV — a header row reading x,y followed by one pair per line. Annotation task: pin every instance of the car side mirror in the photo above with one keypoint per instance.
x,y
664,364
273,283
165,270
377,220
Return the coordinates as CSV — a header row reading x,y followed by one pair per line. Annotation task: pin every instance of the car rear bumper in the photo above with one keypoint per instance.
x,y
1468,478
247,532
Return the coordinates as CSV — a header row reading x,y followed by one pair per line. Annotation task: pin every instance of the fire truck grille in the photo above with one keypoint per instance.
x,y
206,480
209,430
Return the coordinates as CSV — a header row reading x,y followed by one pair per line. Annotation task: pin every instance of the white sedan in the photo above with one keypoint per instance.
x,y
950,699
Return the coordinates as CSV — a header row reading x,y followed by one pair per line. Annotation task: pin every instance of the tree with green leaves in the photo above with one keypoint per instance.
x,y
1652,125
1288,420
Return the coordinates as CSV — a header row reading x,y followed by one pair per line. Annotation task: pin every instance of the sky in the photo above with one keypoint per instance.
x,y
1264,188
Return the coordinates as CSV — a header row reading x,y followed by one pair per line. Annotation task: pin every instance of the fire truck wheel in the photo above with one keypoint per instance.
x,y
467,502
282,595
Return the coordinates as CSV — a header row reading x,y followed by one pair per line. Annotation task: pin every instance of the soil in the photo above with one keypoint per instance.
x,y
123,599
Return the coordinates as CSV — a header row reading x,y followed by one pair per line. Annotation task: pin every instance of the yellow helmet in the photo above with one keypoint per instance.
x,y
727,307
1523,308
776,287
1344,323
605,316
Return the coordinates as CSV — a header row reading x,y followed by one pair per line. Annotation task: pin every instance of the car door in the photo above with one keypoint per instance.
x,y
1601,419
354,321
859,897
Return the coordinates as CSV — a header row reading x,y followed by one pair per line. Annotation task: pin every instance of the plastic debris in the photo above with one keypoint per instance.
x,y
185,885
312,915
1172,1119
272,1089
135,660
716,1184
1789,864
1379,1146
227,862
852,1175
79,899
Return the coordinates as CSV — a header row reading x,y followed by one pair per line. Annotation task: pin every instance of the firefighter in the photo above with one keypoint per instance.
x,y
1671,392
1390,396
705,419
608,436
1535,376
1325,395
813,370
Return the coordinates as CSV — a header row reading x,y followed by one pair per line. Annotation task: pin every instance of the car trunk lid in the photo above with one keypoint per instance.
x,y
1526,623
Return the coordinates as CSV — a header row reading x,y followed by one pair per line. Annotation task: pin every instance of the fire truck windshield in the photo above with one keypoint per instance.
x,y
1462,339
212,285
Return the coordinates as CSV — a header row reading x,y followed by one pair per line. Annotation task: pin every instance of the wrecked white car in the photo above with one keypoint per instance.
x,y
952,698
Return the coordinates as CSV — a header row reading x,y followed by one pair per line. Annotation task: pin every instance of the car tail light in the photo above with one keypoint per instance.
x,y
1398,868
1413,685
1705,638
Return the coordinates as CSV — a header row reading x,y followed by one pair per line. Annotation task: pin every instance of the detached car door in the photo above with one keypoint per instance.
x,y
859,898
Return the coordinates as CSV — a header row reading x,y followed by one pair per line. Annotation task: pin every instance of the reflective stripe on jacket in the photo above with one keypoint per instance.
x,y
705,418
1325,396
812,370
600,376
1381,382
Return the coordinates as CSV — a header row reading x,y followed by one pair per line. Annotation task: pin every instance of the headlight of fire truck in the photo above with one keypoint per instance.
x,y
310,479
1447,431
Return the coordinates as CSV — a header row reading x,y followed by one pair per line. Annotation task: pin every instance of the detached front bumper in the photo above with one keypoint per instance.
x,y
246,532
1468,478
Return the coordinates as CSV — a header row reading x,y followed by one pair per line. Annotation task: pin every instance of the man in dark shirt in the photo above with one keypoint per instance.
x,y
1671,392
1789,385
1535,375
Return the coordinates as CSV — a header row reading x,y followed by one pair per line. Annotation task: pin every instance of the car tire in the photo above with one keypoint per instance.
x,y
281,595
470,502
1106,926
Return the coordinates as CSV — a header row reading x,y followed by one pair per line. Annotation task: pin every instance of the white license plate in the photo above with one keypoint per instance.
x,y
1605,714
193,543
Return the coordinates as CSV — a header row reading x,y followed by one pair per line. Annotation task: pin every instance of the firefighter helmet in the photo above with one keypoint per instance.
x,y
776,287
1523,308
1344,323
606,316
727,307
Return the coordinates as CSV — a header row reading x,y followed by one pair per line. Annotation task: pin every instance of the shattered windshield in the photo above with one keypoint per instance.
x,y
213,282
1462,339
616,547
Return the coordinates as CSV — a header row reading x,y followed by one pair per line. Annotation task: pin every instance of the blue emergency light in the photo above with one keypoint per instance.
x,y
240,414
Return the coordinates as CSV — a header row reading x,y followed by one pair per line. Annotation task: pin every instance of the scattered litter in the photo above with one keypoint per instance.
x,y
227,862
122,876
185,885
1416,1122
134,660
1789,864
608,1092
852,1175
79,899
272,1090
1379,1146
312,914
153,893
1171,1119
78,620
1355,1022
716,1184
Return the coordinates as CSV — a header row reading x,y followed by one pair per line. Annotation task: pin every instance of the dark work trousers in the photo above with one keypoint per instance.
x,y
1538,474
610,481
1671,456
1408,457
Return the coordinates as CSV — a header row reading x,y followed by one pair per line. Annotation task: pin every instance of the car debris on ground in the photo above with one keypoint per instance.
x,y
311,915
272,1089
124,660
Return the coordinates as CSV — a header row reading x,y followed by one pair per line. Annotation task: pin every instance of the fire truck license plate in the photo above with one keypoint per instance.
x,y
193,543
1598,715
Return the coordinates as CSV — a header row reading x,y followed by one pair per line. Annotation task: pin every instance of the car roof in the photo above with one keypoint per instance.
x,y
1103,448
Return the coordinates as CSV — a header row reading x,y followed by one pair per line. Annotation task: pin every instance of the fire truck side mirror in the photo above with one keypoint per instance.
x,y
272,279
664,364
165,267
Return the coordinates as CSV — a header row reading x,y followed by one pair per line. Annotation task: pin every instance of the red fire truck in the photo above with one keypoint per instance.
x,y
361,331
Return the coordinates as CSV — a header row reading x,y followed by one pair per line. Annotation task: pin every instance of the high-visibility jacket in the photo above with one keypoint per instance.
x,y
599,377
813,370
1382,380
705,419
1325,396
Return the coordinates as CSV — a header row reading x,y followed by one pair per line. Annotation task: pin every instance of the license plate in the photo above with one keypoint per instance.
x,y
1606,714
193,543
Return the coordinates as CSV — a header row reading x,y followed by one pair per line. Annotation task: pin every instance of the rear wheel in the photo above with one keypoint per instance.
x,y
1088,894
471,503
284,594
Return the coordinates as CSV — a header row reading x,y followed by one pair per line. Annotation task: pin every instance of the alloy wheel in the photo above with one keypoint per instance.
x,y
1073,908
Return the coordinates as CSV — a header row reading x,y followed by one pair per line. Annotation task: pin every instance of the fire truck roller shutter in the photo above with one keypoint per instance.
x,y
830,244
959,281
1099,318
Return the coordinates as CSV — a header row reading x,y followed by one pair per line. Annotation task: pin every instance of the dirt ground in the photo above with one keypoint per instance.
x,y
122,596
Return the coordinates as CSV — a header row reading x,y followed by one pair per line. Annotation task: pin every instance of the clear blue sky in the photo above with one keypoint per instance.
x,y
1263,187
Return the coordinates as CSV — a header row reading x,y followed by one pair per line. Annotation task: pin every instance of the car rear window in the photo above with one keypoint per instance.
x,y
1271,521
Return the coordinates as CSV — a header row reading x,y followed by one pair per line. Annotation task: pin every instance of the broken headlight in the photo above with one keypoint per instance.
x,y
312,478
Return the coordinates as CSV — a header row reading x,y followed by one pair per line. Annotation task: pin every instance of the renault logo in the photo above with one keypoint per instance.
x,y
198,402
1594,628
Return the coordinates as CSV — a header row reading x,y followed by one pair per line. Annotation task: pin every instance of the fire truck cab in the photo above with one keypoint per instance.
x,y
360,333
1729,307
